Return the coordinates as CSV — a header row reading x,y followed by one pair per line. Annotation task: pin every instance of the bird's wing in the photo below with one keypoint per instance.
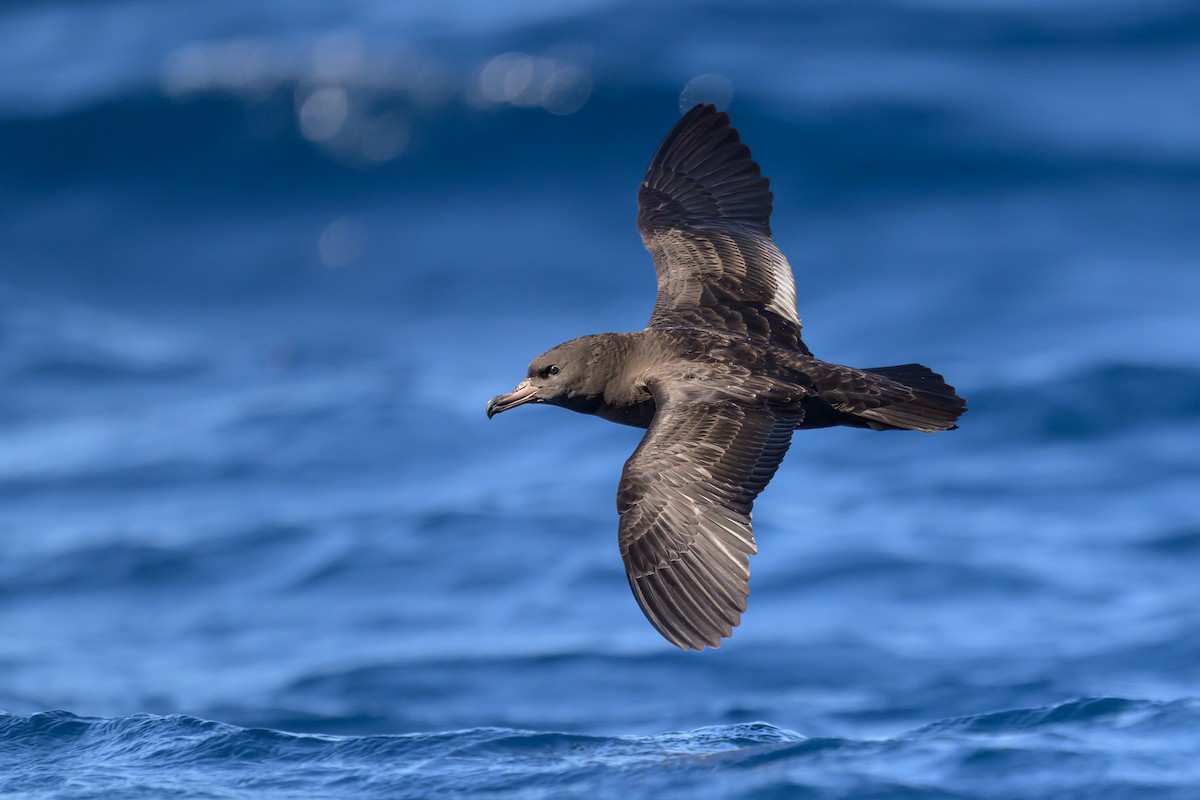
x,y
685,499
704,213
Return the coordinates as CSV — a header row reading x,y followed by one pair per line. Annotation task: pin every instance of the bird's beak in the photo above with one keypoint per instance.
x,y
524,392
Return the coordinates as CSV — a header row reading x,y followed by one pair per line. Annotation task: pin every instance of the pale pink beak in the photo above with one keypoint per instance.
x,y
524,392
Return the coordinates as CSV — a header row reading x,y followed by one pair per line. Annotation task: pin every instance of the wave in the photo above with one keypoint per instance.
x,y
1101,400
1067,747
147,566
270,113
215,142
51,341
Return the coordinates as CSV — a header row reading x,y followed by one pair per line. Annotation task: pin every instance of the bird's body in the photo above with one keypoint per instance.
x,y
720,378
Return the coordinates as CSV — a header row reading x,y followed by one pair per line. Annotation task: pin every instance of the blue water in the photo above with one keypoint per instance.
x,y
262,264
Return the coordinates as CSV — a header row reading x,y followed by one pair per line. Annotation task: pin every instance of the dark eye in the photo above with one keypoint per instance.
x,y
551,370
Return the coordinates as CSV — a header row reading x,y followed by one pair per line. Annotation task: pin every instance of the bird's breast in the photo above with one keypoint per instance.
x,y
636,410
637,414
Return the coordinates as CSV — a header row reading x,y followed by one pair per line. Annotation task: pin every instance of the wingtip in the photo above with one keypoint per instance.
x,y
701,109
678,628
696,645
703,171
675,625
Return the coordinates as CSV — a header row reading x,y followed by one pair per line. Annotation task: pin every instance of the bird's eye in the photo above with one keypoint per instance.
x,y
551,370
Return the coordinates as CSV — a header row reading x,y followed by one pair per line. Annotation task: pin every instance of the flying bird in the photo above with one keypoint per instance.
x,y
719,378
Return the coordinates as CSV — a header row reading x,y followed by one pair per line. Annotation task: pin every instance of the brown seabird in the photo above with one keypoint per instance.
x,y
720,378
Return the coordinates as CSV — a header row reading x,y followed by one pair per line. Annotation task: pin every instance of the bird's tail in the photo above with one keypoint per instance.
x,y
934,405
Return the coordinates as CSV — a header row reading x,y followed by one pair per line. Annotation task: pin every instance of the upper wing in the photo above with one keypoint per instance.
x,y
685,498
704,214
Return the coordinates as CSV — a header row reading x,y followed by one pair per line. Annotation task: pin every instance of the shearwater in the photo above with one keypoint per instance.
x,y
720,378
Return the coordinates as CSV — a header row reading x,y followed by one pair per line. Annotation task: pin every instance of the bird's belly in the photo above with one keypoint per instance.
x,y
636,414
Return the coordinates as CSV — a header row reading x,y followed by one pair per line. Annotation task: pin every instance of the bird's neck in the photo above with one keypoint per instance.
x,y
613,392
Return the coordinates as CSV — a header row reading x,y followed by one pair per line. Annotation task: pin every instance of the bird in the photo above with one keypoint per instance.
x,y
720,378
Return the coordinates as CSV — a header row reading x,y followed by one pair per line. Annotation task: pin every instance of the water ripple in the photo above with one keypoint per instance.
x,y
147,754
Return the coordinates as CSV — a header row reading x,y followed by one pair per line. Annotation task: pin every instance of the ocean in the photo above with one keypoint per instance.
x,y
263,264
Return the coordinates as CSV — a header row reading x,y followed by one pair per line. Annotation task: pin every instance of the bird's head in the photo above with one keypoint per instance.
x,y
561,376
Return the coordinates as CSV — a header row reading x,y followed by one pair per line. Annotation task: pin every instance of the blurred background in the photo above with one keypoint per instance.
x,y
262,264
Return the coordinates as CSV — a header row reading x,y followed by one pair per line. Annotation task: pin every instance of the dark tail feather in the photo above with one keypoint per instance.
x,y
934,406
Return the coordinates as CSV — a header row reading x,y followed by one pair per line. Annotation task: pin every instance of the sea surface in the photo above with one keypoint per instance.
x,y
262,265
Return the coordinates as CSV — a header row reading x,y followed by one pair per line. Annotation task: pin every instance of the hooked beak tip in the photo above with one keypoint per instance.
x,y
524,393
